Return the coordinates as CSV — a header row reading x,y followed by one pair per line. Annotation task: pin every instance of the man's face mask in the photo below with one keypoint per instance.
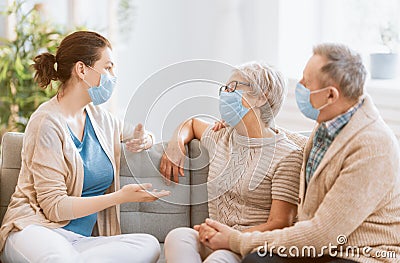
x,y
304,103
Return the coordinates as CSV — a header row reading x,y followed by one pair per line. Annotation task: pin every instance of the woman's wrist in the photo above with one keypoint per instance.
x,y
117,197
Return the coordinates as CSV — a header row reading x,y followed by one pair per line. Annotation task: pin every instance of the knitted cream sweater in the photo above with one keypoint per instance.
x,y
246,174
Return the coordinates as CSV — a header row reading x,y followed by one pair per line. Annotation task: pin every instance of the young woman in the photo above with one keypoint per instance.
x,y
254,169
68,187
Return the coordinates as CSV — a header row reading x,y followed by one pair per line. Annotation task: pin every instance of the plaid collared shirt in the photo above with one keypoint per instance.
x,y
324,137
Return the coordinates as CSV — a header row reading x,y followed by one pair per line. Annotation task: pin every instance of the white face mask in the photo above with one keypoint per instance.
x,y
102,93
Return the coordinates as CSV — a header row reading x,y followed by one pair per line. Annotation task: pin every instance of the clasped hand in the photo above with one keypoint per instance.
x,y
214,234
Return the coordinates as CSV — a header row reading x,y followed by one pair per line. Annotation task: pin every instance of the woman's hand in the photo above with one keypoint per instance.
x,y
139,193
205,232
172,161
220,240
218,125
141,140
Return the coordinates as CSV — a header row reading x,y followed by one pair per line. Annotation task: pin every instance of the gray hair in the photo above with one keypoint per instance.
x,y
344,68
265,81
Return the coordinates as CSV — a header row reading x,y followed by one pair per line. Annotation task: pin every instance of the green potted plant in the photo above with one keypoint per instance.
x,y
19,94
384,64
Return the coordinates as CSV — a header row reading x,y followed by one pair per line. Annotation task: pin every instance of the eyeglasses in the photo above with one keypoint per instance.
x,y
231,86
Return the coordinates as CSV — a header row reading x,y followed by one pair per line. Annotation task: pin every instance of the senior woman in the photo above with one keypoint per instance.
x,y
254,168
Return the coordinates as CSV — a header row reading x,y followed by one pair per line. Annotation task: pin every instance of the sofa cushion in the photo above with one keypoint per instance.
x,y
11,146
156,218
159,217
199,172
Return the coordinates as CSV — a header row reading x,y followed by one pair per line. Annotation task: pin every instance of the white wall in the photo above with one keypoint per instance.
x,y
299,27
167,32
5,22
279,32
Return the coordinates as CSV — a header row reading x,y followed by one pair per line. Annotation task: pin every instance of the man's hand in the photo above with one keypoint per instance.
x,y
205,232
220,240
141,140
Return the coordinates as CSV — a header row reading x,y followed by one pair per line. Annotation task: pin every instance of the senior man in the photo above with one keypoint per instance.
x,y
349,204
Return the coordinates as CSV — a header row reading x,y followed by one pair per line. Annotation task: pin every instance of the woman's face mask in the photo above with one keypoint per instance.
x,y
231,107
102,93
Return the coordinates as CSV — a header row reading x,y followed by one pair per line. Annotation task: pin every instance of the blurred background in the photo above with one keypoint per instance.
x,y
149,35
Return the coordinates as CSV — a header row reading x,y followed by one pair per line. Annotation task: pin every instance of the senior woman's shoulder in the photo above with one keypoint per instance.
x,y
297,138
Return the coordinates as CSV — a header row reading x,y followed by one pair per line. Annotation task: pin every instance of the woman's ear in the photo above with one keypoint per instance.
x,y
261,101
80,69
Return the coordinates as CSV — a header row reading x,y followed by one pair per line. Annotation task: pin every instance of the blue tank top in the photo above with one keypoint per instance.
x,y
98,175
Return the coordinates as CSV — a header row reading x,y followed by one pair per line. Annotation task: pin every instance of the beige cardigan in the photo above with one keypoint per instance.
x,y
355,192
51,175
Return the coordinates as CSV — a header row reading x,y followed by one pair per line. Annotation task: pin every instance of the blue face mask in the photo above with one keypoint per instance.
x,y
304,104
231,107
102,93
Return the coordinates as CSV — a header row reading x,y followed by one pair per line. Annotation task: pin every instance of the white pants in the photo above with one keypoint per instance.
x,y
40,244
183,245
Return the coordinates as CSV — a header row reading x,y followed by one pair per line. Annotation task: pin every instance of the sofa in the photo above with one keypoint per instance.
x,y
186,206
